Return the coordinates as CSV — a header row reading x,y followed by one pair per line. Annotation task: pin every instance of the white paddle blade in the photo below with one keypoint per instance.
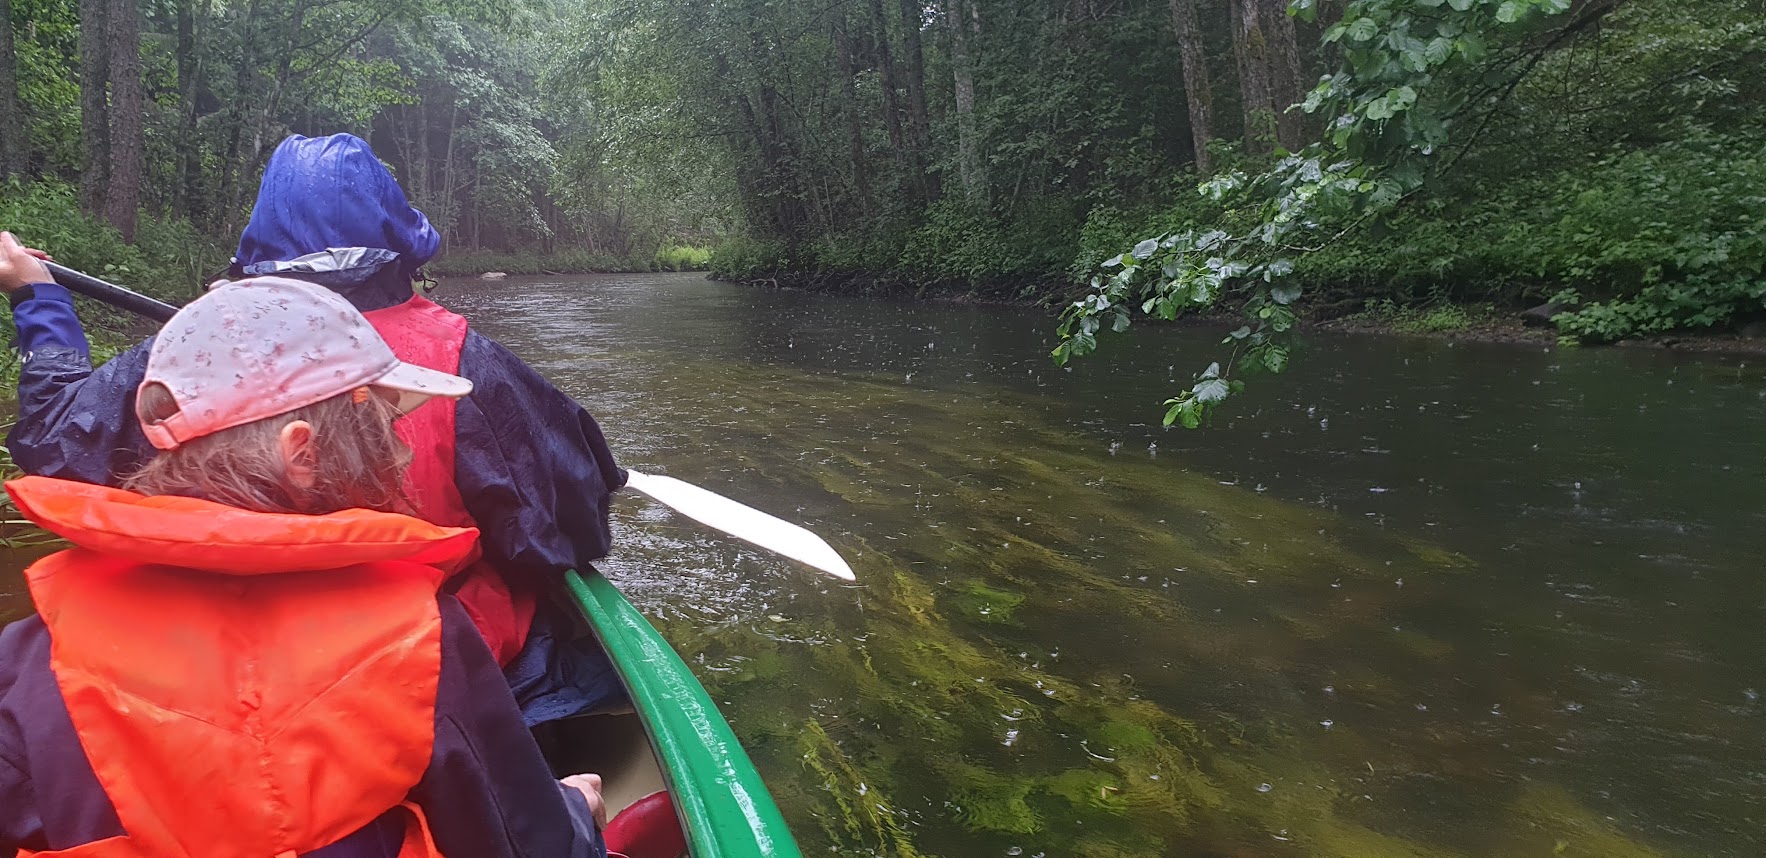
x,y
739,520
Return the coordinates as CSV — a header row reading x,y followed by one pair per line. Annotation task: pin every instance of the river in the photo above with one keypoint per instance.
x,y
1412,598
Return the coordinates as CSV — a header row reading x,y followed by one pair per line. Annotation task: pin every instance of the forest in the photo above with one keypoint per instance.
x,y
1117,158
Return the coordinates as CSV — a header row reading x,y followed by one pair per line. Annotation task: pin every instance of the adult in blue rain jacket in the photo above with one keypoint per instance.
x,y
528,466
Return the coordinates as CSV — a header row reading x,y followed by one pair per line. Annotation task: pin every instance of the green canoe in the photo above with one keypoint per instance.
x,y
674,738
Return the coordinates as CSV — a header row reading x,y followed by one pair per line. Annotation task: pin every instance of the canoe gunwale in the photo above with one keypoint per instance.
x,y
724,806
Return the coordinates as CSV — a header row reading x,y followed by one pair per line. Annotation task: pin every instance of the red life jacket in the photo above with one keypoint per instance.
x,y
427,334
245,685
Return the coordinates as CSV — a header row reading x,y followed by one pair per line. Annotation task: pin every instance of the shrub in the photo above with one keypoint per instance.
x,y
747,258
681,257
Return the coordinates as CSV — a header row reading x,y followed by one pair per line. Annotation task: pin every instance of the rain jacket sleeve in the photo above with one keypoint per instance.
x,y
73,422
532,466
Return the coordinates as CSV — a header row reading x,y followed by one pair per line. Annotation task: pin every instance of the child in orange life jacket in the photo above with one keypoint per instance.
x,y
518,459
245,653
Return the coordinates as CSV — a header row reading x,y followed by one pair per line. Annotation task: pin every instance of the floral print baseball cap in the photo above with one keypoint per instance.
x,y
256,348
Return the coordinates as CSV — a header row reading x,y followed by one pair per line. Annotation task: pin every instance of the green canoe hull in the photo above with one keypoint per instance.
x,y
723,804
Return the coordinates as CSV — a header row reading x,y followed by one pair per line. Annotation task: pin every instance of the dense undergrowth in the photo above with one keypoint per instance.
x,y
169,258
1634,243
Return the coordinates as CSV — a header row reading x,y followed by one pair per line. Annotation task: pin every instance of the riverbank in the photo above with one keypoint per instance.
x,y
1452,321
571,261
1000,291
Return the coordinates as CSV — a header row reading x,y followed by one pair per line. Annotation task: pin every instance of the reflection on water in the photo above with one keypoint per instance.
x,y
1410,600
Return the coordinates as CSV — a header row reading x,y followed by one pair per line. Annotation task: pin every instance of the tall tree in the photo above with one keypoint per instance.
x,y
186,196
128,108
14,153
1198,91
1282,50
94,104
850,112
964,19
891,83
1251,53
919,118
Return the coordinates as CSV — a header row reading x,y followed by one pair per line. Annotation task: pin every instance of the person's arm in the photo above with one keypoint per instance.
x,y
488,791
42,312
73,422
77,423
532,467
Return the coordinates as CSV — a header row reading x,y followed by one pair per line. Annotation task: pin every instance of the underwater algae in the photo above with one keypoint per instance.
x,y
1020,663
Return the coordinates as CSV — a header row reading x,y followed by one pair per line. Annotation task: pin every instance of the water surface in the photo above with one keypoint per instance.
x,y
1411,599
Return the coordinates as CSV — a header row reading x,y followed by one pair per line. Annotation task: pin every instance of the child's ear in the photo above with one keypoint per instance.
x,y
300,461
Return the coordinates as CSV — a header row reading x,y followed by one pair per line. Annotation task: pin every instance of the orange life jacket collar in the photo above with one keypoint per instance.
x,y
198,534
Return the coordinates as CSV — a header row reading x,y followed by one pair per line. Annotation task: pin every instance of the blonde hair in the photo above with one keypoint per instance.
x,y
359,462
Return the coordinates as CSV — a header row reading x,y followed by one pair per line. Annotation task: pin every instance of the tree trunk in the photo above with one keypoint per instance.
x,y
128,143
1283,52
919,124
891,82
190,67
855,133
14,132
450,183
232,170
1198,92
94,106
417,178
1251,53
964,15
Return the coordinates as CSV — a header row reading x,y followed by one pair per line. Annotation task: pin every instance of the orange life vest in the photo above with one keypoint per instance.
x,y
245,685
427,334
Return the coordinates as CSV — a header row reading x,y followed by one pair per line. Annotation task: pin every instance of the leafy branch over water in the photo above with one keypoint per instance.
x,y
1418,83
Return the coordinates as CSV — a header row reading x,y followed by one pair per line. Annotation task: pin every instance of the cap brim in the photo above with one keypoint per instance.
x,y
416,385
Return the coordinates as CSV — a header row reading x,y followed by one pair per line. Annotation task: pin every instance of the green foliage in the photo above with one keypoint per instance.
x,y
1668,238
47,49
746,258
681,257
1407,70
1439,318
1457,165
170,260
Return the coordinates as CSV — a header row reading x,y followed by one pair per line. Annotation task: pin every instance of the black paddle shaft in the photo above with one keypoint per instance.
x,y
110,293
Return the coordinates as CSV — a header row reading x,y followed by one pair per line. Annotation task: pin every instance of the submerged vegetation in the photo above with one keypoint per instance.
x,y
1007,677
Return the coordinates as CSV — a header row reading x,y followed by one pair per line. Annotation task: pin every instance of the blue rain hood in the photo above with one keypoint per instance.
x,y
321,194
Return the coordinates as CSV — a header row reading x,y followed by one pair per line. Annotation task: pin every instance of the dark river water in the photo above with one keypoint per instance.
x,y
1410,599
